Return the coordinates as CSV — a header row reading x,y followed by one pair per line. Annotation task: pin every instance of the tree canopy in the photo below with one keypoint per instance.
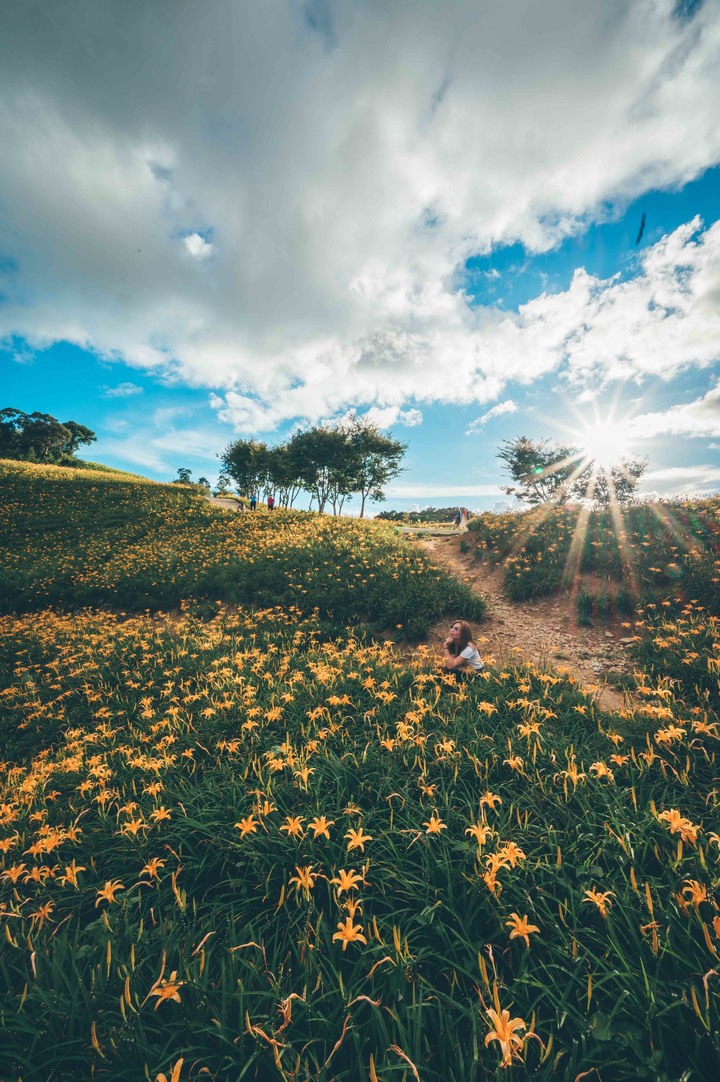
x,y
39,437
544,471
332,463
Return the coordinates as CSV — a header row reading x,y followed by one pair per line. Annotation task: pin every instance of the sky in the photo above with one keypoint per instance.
x,y
466,221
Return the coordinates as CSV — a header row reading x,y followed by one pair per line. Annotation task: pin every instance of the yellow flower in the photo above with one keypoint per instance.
x,y
133,826
435,825
159,814
680,825
506,1032
304,880
515,762
490,799
293,825
511,853
601,899
349,933
42,914
174,1075
353,906
320,826
108,892
248,825
152,866
480,832
71,873
357,839
168,989
346,880
520,927
692,893
12,874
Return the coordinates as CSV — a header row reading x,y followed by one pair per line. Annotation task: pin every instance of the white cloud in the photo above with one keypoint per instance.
x,y
508,406
122,390
197,246
345,172
393,415
698,418
681,481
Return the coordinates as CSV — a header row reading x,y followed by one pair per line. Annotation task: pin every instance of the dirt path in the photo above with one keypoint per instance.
x,y
544,632
226,505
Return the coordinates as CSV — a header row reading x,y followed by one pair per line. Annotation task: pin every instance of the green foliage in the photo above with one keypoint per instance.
x,y
426,516
584,608
331,463
246,462
39,437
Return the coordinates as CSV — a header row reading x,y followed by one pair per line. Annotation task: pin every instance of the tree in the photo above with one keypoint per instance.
x,y
12,423
40,437
284,473
541,469
617,484
183,476
79,435
223,485
321,455
246,461
374,458
547,472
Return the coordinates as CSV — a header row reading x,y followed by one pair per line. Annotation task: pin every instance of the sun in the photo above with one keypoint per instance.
x,y
605,444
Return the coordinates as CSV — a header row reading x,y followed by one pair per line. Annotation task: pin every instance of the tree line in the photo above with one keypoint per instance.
x,y
332,464
40,437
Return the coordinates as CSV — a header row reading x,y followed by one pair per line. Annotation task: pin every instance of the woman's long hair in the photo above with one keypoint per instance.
x,y
465,637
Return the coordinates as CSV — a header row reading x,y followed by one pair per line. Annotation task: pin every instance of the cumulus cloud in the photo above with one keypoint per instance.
x,y
346,164
508,406
122,390
698,418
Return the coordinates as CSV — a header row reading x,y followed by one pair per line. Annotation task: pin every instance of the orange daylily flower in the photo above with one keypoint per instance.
x,y
349,933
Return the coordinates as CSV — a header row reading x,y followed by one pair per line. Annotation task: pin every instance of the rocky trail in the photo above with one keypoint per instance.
x,y
544,632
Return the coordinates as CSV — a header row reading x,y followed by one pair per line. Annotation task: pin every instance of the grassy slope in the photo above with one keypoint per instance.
x,y
74,541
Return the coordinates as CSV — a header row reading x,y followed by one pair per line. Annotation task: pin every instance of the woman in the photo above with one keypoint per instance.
x,y
461,653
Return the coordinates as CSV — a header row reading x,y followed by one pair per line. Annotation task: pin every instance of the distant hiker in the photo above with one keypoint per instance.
x,y
253,502
461,654
271,502
458,518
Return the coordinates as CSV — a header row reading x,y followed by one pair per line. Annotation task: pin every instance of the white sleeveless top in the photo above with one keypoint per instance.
x,y
472,657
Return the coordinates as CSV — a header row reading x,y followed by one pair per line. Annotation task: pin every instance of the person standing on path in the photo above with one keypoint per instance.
x,y
253,501
271,502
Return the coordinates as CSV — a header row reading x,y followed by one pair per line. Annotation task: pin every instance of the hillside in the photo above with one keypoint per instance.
x,y
246,842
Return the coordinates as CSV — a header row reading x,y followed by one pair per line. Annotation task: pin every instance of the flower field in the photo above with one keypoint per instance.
x,y
72,540
256,845
651,547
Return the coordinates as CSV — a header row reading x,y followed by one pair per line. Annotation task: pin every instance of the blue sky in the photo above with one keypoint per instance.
x,y
292,211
